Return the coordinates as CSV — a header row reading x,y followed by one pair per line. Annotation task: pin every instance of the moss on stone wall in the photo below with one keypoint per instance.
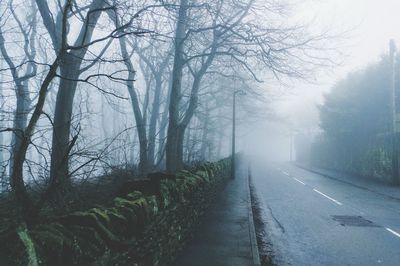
x,y
137,229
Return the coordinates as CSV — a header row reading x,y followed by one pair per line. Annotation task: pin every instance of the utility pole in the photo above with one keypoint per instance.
x,y
395,115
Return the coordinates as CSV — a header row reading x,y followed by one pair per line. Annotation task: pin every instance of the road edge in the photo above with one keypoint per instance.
x,y
252,230
316,171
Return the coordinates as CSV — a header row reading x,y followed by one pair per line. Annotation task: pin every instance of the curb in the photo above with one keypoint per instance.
x,y
252,230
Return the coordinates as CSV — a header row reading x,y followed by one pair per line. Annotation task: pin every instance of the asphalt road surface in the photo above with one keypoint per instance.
x,y
315,220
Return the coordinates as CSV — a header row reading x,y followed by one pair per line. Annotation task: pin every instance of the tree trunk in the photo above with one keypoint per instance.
x,y
59,166
20,120
204,138
172,156
163,130
186,147
180,141
155,112
220,136
186,120
22,101
140,121
70,70
193,101
25,205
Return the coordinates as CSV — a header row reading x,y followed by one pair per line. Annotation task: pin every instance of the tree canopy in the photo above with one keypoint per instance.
x,y
356,120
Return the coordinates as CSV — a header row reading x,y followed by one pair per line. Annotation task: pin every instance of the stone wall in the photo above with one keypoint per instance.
x,y
137,229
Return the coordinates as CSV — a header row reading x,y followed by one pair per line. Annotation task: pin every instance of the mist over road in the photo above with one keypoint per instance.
x,y
315,220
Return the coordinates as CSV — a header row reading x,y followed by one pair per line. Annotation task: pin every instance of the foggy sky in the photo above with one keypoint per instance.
x,y
366,27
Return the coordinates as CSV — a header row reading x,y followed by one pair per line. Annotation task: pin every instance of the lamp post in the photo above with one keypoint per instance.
x,y
234,131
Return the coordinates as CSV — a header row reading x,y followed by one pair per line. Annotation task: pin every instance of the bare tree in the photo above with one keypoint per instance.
x,y
225,34
70,70
139,115
175,96
67,66
157,63
21,77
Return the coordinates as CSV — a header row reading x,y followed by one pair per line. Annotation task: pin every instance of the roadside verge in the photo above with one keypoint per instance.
x,y
258,225
252,229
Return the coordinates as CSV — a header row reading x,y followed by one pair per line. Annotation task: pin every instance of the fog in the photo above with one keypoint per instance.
x,y
121,112
93,87
364,29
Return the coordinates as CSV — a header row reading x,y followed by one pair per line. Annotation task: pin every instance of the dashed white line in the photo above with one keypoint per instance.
x,y
393,232
285,173
326,196
301,182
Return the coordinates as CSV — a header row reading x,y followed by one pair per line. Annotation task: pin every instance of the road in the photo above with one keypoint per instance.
x,y
315,220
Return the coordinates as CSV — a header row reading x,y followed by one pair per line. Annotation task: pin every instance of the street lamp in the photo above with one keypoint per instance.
x,y
234,130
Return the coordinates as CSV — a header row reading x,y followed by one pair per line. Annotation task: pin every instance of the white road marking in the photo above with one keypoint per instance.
x,y
393,232
326,196
301,182
285,173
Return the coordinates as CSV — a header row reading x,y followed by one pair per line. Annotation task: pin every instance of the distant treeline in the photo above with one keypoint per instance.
x,y
356,123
